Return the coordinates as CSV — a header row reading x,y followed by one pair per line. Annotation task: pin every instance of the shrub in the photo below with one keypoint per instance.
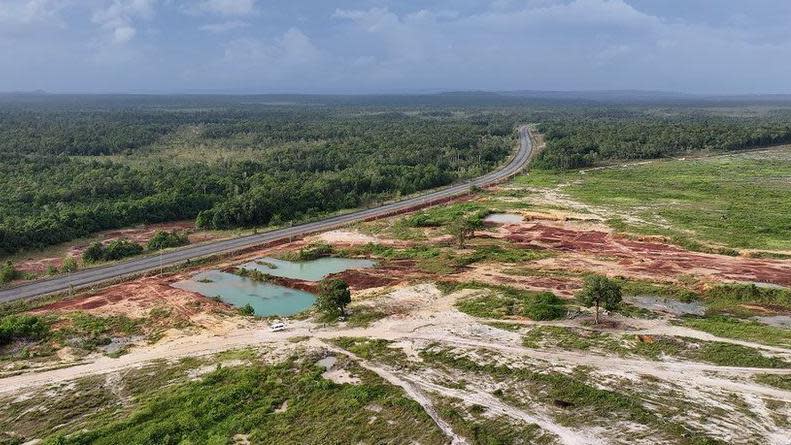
x,y
247,309
8,273
314,252
164,240
69,264
114,250
21,327
544,306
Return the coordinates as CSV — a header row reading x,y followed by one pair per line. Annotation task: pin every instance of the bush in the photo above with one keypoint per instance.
x,y
314,252
8,273
544,306
247,309
22,327
114,250
69,264
164,240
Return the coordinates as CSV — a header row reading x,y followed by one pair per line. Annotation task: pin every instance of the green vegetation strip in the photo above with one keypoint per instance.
x,y
283,403
651,347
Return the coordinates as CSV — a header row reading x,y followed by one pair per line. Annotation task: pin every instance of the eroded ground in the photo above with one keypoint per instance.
x,y
442,345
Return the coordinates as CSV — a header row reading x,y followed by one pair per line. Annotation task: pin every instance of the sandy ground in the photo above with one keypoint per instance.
x,y
427,317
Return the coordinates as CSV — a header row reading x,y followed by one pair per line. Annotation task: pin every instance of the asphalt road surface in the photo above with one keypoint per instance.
x,y
97,275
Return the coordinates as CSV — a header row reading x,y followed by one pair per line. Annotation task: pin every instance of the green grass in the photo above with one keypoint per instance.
x,y
730,298
244,400
740,201
372,349
445,214
776,380
718,353
445,260
504,301
741,330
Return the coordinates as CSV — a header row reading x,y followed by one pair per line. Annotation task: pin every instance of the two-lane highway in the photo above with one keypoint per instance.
x,y
98,275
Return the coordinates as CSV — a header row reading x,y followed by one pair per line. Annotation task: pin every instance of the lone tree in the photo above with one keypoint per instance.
x,y
333,297
464,228
600,291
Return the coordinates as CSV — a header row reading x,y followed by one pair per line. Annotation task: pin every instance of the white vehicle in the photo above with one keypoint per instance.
x,y
277,327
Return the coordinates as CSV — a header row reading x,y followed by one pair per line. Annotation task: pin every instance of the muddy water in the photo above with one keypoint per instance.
x,y
267,299
669,305
309,270
504,218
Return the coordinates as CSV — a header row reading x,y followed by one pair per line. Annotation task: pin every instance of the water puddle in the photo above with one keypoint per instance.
x,y
780,321
265,298
669,305
504,218
309,270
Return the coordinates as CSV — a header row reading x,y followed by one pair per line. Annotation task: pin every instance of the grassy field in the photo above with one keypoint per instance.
x,y
255,402
741,201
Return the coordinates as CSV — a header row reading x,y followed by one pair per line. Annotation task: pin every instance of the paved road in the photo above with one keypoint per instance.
x,y
98,275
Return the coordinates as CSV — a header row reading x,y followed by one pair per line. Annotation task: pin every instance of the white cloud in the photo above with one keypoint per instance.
x,y
218,28
118,18
123,34
227,7
26,12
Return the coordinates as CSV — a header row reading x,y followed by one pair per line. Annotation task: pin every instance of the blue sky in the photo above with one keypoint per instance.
x,y
368,46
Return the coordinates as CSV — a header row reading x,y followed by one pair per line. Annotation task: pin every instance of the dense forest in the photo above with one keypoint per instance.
x,y
66,173
74,165
582,141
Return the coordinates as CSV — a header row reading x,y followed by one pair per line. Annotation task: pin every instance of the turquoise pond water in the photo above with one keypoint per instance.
x,y
309,270
269,299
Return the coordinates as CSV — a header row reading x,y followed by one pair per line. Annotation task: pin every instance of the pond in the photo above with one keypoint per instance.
x,y
265,298
504,218
269,299
309,270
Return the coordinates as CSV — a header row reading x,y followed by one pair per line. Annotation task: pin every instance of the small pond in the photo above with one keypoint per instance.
x,y
669,305
267,299
309,270
504,218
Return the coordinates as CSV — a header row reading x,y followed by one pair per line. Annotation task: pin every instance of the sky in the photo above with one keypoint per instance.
x,y
406,46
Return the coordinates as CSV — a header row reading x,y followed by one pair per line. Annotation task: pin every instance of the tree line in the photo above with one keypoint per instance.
x,y
583,141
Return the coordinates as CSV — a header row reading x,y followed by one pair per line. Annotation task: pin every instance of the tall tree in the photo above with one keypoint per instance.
x,y
464,229
333,297
600,291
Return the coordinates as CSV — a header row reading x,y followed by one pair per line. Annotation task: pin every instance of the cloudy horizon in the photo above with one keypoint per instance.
x,y
379,46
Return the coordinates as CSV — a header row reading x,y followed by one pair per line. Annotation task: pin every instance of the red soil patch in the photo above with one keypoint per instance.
x,y
136,299
648,258
387,273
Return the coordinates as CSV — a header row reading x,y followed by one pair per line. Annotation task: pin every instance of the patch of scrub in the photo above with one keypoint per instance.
x,y
669,305
504,218
266,299
313,270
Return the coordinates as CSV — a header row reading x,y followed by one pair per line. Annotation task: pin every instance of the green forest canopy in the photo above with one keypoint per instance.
x,y
74,165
